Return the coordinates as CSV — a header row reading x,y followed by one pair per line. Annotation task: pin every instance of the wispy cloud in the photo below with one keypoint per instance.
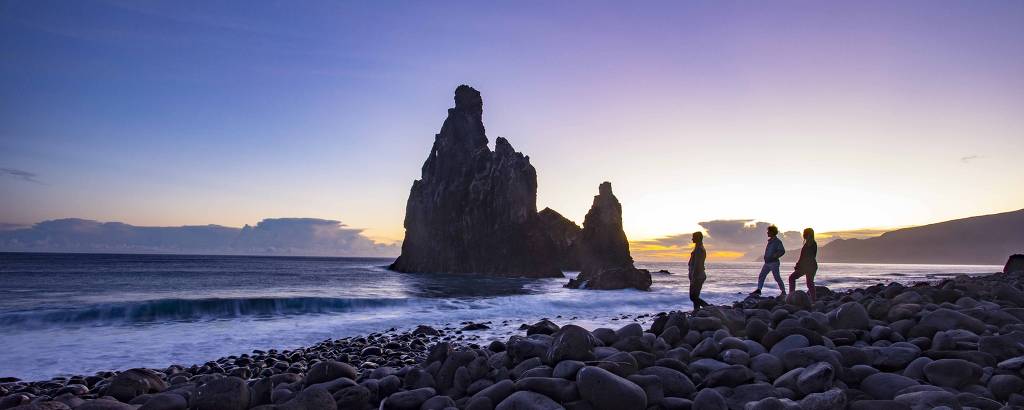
x,y
969,158
22,175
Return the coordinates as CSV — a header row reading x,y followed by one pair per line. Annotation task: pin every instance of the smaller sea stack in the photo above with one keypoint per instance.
x,y
604,250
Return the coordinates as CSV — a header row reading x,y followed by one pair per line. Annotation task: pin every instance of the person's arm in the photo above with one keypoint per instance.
x,y
701,256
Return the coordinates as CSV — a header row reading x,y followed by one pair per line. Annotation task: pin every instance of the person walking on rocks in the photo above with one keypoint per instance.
x,y
807,265
772,253
696,270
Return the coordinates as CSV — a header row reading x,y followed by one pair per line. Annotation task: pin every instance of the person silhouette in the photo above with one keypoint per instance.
x,y
772,252
807,265
696,271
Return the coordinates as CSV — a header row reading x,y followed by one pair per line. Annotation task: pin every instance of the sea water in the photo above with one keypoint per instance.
x,y
64,314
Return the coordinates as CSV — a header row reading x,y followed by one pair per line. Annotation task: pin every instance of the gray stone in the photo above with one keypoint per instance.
x,y
767,364
329,370
527,400
674,383
953,373
566,369
816,378
828,400
559,389
497,391
438,403
312,398
731,376
226,393
851,315
927,400
407,400
604,390
709,399
884,386
571,342
134,382
789,343
1004,385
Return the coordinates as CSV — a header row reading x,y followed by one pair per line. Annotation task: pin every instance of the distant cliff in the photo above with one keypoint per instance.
x,y
983,240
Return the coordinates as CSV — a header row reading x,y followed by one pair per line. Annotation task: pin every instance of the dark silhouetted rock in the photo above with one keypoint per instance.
x,y
1014,264
474,210
604,251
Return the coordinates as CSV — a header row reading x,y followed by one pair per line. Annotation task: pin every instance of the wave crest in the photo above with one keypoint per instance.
x,y
165,310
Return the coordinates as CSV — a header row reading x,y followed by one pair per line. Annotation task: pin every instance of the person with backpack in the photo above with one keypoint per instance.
x,y
772,253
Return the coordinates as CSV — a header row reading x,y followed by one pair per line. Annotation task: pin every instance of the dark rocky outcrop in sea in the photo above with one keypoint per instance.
x,y
603,249
1014,264
956,344
474,210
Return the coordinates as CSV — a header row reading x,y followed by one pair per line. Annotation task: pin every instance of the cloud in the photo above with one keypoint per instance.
x,y
735,239
21,174
969,158
742,239
283,236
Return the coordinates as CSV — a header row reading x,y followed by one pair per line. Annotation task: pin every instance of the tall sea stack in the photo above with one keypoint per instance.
x,y
474,210
604,250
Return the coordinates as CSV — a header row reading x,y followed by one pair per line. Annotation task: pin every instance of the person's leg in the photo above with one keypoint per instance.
x,y
778,276
700,286
761,276
810,286
792,279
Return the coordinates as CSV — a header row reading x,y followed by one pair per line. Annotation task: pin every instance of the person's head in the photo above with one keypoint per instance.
x,y
808,234
773,231
698,237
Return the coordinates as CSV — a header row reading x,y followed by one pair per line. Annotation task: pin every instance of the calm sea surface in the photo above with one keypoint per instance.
x,y
81,313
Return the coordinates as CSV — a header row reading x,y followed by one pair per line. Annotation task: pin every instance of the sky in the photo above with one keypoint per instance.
x,y
839,116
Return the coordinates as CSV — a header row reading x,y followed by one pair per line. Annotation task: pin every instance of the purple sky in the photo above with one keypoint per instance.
x,y
802,113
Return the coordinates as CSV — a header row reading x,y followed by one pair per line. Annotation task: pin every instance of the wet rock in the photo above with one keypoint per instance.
x,y
407,400
731,376
497,392
885,385
312,398
329,370
527,400
165,401
571,343
789,343
1004,385
567,369
926,400
674,383
816,378
543,327
953,373
709,399
828,400
559,389
946,319
604,390
134,382
851,315
226,393
438,403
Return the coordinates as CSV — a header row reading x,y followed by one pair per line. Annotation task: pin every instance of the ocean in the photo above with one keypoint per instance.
x,y
63,314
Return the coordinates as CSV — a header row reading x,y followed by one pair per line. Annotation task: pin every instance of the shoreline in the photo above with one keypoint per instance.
x,y
725,335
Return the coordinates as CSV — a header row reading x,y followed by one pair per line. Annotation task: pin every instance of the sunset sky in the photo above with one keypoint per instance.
x,y
800,113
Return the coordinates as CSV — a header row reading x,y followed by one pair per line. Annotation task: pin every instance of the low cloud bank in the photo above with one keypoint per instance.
x,y
733,239
280,236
